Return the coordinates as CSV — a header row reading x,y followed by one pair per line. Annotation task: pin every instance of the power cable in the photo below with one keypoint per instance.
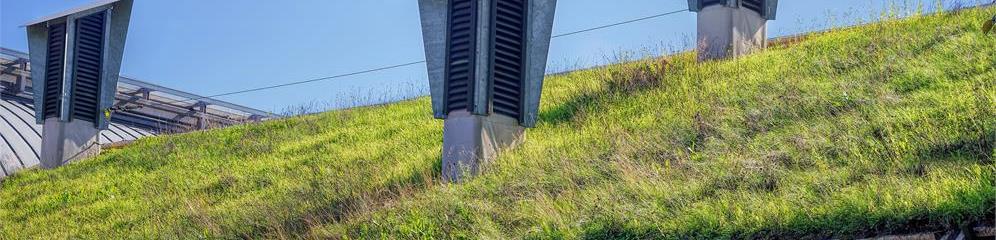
x,y
619,23
400,65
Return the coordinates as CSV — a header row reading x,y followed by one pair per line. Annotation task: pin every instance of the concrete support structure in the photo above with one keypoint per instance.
x,y
77,54
472,141
731,28
486,61
64,142
729,32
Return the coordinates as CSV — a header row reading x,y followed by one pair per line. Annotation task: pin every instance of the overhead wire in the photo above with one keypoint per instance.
x,y
619,23
400,65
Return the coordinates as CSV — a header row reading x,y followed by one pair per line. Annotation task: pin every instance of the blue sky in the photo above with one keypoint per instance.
x,y
209,47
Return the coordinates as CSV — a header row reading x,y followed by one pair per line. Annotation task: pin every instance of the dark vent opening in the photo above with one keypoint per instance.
x,y
507,57
54,66
460,53
706,3
755,5
87,67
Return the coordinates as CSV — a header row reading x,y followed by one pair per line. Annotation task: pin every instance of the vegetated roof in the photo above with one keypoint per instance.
x,y
20,135
151,110
885,128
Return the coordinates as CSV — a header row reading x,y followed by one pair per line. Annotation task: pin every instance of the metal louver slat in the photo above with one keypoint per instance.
x,y
706,3
507,56
88,63
55,63
460,48
755,5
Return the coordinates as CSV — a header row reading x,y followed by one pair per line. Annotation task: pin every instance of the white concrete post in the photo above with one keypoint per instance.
x,y
730,29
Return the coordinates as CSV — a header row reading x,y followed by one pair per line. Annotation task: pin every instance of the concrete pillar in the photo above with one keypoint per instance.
x,y
729,32
64,142
472,141
70,98
485,81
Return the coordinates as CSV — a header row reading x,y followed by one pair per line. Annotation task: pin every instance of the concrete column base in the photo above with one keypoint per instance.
x,y
472,141
64,142
725,32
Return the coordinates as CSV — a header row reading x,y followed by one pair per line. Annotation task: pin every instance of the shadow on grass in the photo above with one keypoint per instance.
x,y
616,230
979,148
331,208
570,110
622,79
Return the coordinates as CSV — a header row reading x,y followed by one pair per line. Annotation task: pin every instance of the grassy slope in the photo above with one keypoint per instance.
x,y
873,129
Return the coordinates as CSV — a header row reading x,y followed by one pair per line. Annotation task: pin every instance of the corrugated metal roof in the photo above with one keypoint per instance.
x,y
146,109
20,136
141,103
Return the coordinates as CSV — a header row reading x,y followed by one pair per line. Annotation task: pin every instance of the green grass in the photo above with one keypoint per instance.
x,y
871,130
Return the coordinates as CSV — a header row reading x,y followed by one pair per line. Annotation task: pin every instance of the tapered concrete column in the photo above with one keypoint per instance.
x,y
76,58
470,142
729,32
65,142
486,60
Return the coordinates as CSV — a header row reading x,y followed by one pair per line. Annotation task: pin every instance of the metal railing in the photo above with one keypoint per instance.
x,y
155,107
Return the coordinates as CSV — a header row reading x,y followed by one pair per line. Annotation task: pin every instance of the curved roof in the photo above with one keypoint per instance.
x,y
146,109
20,136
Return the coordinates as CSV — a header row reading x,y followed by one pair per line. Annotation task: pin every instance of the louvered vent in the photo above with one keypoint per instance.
x,y
87,64
460,54
756,5
54,65
508,32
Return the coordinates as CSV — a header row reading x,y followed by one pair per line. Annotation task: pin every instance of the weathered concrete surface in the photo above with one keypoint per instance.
x,y
538,34
471,142
65,139
474,136
433,14
729,32
119,18
38,50
64,142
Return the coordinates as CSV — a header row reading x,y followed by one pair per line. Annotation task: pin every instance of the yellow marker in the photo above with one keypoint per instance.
x,y
107,114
